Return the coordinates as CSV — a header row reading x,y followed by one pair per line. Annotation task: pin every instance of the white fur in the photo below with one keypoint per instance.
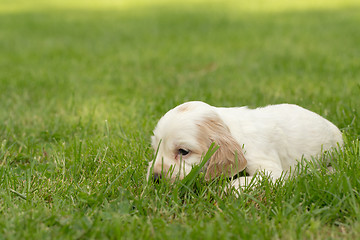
x,y
273,138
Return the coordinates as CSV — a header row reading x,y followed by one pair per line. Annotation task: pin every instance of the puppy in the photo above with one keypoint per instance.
x,y
271,139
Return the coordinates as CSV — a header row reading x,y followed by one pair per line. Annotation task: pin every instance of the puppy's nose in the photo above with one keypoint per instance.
x,y
156,178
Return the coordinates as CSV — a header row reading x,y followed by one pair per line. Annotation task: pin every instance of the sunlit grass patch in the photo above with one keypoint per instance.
x,y
238,6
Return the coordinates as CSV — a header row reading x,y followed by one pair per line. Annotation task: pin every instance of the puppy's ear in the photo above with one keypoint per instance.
x,y
229,158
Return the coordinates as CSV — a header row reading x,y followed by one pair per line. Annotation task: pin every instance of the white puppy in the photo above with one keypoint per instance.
x,y
270,139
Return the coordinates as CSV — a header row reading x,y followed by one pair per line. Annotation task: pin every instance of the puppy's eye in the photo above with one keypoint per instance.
x,y
183,152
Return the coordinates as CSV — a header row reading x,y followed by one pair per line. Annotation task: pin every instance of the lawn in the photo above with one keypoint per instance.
x,y
83,83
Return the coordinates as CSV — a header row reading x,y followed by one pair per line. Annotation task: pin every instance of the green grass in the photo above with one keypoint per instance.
x,y
82,86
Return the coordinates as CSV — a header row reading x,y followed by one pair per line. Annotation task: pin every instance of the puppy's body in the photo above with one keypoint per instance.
x,y
275,137
270,139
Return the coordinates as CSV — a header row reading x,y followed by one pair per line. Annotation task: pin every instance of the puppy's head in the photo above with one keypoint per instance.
x,y
184,134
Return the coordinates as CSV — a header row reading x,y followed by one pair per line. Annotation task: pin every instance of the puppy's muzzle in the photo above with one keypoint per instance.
x,y
156,178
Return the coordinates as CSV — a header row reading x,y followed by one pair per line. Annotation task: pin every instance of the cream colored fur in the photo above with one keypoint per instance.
x,y
270,139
